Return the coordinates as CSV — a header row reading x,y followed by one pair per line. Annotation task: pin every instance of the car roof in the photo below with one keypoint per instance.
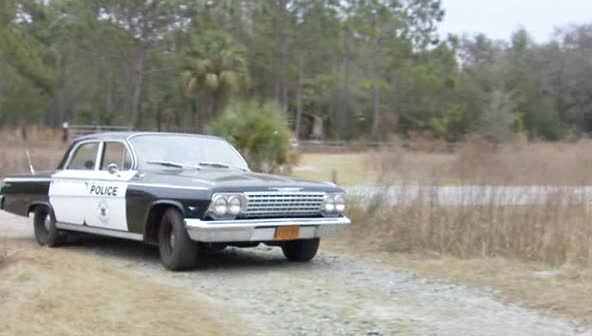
x,y
127,135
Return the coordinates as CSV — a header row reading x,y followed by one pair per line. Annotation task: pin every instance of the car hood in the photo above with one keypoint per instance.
x,y
230,180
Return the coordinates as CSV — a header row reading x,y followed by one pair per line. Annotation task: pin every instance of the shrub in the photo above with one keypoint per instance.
x,y
259,131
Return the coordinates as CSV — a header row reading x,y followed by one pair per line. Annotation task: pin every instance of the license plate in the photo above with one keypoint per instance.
x,y
287,232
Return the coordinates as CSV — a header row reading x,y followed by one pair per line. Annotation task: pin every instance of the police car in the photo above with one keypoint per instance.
x,y
185,193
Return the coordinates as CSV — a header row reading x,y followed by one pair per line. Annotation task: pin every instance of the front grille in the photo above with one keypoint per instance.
x,y
279,204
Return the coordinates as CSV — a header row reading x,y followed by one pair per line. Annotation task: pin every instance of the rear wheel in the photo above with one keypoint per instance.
x,y
177,251
300,250
46,231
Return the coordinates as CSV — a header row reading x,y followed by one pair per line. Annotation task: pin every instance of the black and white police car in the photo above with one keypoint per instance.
x,y
185,193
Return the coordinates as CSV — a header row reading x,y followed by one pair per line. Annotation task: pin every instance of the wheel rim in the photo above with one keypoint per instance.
x,y
172,240
168,239
47,222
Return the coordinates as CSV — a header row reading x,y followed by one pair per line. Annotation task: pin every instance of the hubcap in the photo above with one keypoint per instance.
x,y
47,222
172,240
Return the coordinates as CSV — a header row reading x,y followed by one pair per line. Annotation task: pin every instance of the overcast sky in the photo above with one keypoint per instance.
x,y
499,18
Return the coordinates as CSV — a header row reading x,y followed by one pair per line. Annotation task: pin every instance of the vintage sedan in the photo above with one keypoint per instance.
x,y
185,193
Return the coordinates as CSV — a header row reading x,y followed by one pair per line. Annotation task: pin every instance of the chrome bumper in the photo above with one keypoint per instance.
x,y
244,230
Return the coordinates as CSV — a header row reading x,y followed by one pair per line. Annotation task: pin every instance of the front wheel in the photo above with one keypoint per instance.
x,y
301,250
46,231
177,251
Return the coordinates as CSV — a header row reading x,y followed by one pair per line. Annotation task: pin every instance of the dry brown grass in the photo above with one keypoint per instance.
x,y
553,228
45,147
66,293
480,162
3,251
556,231
538,254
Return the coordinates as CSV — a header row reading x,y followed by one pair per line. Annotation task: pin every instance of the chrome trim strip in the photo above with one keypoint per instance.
x,y
260,229
265,204
161,185
99,156
265,222
27,179
270,192
100,231
204,181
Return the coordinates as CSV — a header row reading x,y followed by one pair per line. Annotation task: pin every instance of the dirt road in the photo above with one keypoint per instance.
x,y
258,291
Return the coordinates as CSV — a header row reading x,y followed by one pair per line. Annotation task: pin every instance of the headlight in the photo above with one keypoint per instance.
x,y
329,204
339,203
220,206
235,205
334,204
227,205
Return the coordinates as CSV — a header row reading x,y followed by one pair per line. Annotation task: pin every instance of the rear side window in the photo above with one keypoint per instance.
x,y
85,156
117,153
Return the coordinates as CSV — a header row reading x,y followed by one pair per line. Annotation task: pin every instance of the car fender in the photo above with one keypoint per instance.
x,y
32,206
149,231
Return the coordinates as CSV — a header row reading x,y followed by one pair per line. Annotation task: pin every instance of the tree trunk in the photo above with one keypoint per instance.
x,y
376,60
196,118
158,118
2,75
138,86
109,104
281,88
299,97
344,114
60,93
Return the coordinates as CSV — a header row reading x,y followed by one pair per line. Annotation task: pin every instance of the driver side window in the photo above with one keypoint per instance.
x,y
116,152
85,156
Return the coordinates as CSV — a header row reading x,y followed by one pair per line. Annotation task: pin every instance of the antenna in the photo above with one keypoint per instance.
x,y
31,169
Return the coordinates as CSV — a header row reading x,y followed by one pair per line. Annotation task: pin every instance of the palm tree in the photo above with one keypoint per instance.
x,y
215,68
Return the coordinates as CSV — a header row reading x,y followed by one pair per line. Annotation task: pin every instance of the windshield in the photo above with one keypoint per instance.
x,y
184,150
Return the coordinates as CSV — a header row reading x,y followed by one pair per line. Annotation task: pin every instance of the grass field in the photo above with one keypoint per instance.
x,y
350,168
68,293
472,163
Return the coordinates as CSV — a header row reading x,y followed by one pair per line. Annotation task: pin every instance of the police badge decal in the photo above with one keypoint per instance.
x,y
103,211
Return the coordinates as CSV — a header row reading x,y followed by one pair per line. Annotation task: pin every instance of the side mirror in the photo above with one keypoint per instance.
x,y
112,168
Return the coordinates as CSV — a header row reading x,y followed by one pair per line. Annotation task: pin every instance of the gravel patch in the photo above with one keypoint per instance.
x,y
332,295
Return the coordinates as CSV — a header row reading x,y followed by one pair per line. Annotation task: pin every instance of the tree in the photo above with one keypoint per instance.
x,y
498,119
259,131
215,68
147,24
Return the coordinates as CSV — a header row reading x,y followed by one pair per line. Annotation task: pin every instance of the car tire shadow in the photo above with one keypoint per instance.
x,y
230,258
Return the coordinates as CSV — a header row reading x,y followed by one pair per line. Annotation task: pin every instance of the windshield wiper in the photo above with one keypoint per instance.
x,y
219,165
171,164
214,164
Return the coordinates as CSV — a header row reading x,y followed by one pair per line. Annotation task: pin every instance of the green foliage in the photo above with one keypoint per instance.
x,y
259,131
451,124
343,69
497,120
215,63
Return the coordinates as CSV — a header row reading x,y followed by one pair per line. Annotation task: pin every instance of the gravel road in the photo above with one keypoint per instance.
x,y
333,295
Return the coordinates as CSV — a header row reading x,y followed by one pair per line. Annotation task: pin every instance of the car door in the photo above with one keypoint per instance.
x,y
68,190
108,185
